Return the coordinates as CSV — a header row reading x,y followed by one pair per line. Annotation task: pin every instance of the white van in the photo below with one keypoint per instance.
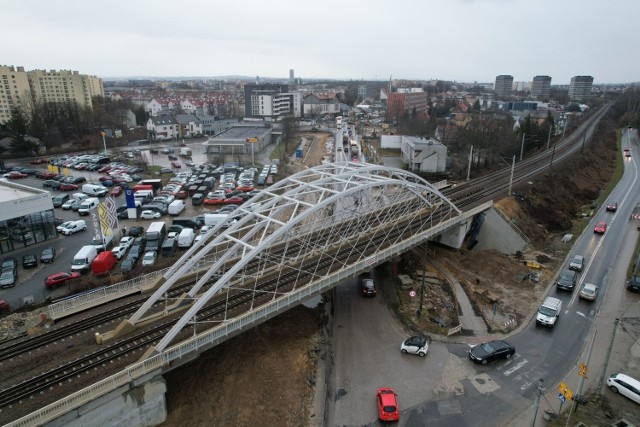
x,y
186,238
82,260
88,205
176,207
214,219
79,196
185,152
549,312
94,190
102,244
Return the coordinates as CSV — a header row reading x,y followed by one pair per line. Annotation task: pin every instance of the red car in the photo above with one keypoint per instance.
x,y
387,404
236,200
600,228
181,194
55,280
39,161
176,165
245,188
68,187
214,201
15,175
116,191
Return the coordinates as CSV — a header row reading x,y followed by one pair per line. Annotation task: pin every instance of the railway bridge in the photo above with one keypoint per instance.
x,y
293,241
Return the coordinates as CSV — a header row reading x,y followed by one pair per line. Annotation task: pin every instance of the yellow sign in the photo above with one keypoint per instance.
x,y
104,220
583,370
252,140
568,394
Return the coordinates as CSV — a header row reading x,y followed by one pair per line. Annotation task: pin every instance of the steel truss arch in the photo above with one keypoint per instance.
x,y
316,220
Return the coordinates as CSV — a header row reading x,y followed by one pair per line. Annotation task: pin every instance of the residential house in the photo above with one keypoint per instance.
x,y
317,105
189,126
162,128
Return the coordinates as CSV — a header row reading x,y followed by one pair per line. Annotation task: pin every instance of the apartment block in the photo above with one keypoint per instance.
x,y
541,87
580,88
271,101
20,87
503,86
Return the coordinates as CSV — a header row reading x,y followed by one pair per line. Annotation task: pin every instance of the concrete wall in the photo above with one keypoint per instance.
x,y
497,233
141,404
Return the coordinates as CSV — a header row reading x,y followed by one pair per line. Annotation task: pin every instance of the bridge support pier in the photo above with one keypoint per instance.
x,y
123,328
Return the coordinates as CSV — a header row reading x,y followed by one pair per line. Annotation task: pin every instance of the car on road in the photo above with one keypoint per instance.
x,y
589,291
627,152
600,228
612,207
577,263
368,287
29,261
387,402
57,279
48,255
627,386
150,215
567,280
490,351
415,345
176,165
149,258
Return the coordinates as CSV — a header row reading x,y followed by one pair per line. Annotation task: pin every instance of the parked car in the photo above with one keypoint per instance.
x,y
150,215
15,175
600,228
149,258
72,204
589,291
68,187
128,264
74,227
29,261
387,404
48,255
490,351
119,251
136,231
57,279
625,385
116,191
415,345
9,263
7,278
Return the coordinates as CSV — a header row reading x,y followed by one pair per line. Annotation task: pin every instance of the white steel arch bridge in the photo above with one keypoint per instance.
x,y
299,238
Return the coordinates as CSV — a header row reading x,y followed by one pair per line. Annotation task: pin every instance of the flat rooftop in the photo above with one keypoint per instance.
x,y
240,133
10,190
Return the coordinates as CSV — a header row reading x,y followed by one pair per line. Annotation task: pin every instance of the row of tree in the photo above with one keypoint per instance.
x,y
54,123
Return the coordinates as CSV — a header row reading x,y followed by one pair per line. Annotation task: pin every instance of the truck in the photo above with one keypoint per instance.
x,y
144,187
103,263
156,233
185,152
82,260
155,183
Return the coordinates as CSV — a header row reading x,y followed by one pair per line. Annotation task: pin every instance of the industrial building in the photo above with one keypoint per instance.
x,y
26,216
239,144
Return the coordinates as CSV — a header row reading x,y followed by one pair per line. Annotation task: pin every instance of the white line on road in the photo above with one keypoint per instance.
x,y
515,368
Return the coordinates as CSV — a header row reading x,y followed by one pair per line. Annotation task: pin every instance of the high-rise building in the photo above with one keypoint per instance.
x,y
292,78
580,88
18,87
14,90
541,87
503,86
271,100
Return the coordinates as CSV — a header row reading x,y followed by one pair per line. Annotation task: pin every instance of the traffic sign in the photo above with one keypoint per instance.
x,y
583,370
562,398
412,293
568,394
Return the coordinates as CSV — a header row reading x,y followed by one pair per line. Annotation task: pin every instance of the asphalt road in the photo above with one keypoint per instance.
x,y
446,388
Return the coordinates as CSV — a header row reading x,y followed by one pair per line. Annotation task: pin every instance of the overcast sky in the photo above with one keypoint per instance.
x,y
461,40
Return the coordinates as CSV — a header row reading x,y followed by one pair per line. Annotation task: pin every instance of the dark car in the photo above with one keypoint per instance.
x,y
197,199
48,255
490,351
136,252
567,280
136,231
79,179
368,288
59,200
128,264
29,261
612,207
175,227
139,242
172,157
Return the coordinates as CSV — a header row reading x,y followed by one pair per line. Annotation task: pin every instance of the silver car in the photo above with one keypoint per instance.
x,y
7,279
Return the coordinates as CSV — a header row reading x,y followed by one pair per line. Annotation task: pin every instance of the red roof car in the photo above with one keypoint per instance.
x,y
55,280
601,227
116,191
387,404
68,187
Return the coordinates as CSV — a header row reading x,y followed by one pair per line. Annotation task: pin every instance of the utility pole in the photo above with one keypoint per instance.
x,y
549,137
513,166
584,138
537,402
470,159
522,146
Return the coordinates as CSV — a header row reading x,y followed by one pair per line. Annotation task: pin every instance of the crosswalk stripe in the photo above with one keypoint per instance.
x,y
515,368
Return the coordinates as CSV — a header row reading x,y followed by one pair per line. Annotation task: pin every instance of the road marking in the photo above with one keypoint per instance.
x,y
515,368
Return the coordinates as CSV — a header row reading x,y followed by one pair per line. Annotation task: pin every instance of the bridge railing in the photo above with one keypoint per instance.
x,y
230,327
87,300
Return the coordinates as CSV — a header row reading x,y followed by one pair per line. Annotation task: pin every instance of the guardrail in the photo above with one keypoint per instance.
x,y
85,301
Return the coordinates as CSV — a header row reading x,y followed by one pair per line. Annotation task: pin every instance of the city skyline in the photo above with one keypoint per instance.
x,y
456,40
